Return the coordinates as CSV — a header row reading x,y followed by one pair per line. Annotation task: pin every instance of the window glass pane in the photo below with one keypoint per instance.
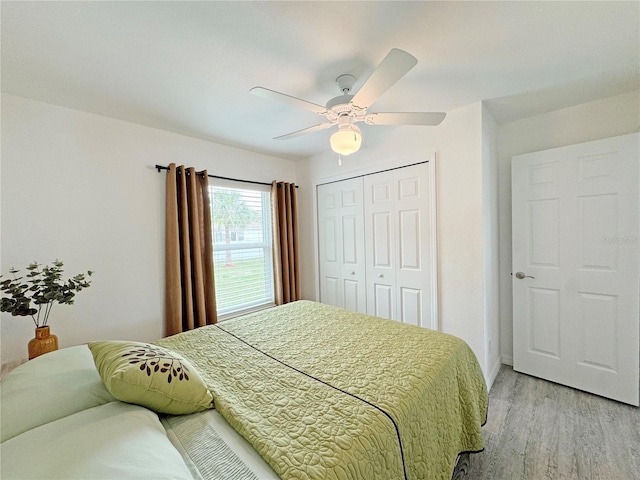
x,y
241,248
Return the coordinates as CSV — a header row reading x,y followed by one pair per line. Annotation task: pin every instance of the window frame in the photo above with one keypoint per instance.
x,y
267,246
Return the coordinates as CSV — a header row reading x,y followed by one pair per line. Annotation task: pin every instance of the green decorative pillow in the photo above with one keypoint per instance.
x,y
151,376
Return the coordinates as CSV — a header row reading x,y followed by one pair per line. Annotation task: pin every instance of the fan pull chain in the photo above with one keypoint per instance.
x,y
339,160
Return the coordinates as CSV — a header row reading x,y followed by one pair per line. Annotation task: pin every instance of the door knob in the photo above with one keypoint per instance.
x,y
353,273
521,275
380,275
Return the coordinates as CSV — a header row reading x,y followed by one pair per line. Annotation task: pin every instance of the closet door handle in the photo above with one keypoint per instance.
x,y
353,273
380,275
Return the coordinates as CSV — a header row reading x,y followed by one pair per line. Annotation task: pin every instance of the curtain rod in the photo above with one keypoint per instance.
x,y
160,168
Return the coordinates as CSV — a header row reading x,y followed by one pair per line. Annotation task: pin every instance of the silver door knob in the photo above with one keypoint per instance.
x,y
380,275
353,273
521,275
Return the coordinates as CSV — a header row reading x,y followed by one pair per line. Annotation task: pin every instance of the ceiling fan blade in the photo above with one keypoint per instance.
x,y
304,131
392,68
399,118
281,97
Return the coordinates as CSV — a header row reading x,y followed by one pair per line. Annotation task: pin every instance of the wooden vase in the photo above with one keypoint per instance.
x,y
43,343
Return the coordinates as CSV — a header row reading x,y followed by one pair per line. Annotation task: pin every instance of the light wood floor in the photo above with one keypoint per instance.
x,y
540,430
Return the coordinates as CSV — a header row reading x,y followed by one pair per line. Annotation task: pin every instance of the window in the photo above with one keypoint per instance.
x,y
242,248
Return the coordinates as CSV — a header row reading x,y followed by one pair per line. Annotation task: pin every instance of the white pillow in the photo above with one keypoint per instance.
x,y
112,441
49,387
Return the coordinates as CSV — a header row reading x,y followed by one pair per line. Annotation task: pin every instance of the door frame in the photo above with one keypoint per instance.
x,y
432,166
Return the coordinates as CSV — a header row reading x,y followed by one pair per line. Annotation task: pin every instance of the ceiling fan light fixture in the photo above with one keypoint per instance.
x,y
346,140
351,107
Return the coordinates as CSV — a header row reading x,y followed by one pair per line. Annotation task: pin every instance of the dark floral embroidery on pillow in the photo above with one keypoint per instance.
x,y
155,359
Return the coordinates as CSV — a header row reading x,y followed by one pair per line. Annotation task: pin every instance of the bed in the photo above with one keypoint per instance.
x,y
301,391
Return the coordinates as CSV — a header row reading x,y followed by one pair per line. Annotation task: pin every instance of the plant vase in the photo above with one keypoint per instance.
x,y
43,343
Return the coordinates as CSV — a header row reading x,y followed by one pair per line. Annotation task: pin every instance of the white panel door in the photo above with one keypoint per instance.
x,y
341,245
380,221
397,210
329,219
576,256
413,272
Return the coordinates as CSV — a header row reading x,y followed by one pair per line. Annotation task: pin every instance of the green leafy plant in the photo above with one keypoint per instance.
x,y
42,287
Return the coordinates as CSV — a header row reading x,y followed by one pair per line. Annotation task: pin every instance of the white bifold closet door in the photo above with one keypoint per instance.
x,y
396,212
375,244
341,245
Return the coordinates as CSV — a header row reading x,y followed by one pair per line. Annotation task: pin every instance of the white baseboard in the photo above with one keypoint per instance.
x,y
493,373
507,360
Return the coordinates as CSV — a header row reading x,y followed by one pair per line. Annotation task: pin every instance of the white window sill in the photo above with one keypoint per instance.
x,y
239,313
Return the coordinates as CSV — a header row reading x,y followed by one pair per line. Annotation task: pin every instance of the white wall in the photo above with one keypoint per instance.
x,y
458,144
82,188
603,118
491,235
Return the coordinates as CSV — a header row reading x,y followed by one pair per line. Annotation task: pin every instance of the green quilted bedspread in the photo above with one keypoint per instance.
x,y
325,393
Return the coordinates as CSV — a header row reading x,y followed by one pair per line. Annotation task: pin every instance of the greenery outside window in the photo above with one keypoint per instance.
x,y
242,249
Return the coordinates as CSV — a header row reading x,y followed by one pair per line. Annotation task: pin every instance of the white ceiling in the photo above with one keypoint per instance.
x,y
187,67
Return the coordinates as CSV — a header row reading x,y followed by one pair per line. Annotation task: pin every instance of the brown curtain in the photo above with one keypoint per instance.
x,y
285,242
190,289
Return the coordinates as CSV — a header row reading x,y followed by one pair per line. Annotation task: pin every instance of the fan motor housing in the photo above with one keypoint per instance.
x,y
338,102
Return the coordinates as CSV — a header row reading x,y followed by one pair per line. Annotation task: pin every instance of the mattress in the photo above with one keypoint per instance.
x,y
212,449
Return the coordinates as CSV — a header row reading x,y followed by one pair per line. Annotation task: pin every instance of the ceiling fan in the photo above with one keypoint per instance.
x,y
346,110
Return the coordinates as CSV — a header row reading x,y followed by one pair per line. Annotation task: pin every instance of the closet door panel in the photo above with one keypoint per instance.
x,y
383,304
380,245
381,239
413,276
409,232
411,305
329,244
351,293
350,232
352,269
331,291
341,245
